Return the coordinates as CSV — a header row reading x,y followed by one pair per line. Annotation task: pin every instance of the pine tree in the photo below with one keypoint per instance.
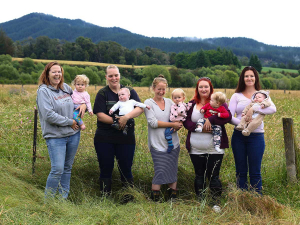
x,y
255,62
6,44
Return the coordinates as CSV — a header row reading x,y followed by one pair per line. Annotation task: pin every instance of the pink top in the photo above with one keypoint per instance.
x,y
210,111
237,104
82,98
178,112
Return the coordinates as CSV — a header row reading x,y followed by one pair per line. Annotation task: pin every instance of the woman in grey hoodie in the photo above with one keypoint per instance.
x,y
60,130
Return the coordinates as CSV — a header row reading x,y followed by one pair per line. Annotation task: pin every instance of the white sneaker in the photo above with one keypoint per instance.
x,y
199,129
218,149
216,208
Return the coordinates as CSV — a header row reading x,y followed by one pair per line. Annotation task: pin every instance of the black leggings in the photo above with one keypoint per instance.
x,y
207,166
106,154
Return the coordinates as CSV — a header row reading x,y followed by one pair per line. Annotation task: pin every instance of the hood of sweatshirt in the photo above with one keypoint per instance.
x,y
266,93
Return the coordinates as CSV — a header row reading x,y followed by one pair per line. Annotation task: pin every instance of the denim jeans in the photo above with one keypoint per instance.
x,y
248,153
62,152
106,153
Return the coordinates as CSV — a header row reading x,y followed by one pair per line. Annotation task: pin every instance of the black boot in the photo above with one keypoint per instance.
x,y
200,187
172,194
125,130
116,126
105,186
155,195
128,183
215,186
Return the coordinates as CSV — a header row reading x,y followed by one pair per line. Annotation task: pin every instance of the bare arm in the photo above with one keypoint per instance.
x,y
102,117
134,113
175,125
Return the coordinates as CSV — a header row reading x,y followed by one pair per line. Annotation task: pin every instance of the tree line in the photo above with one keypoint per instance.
x,y
83,49
38,24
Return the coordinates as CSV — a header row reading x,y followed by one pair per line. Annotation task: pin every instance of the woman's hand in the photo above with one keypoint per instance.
x,y
74,126
176,126
82,109
122,121
207,126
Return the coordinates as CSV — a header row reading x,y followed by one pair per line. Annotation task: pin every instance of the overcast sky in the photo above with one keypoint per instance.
x,y
268,21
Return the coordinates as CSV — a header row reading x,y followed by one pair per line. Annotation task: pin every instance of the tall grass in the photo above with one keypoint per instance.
x,y
21,193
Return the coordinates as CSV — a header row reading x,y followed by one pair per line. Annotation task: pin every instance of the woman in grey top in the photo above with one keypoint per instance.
x,y
60,130
165,164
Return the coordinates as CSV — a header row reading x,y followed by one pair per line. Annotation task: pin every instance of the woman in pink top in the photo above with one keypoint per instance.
x,y
248,150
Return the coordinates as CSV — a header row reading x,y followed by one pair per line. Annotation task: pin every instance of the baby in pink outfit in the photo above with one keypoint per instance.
x,y
178,114
80,96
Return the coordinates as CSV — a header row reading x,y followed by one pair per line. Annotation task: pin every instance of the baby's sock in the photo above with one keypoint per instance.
x,y
170,146
217,148
198,129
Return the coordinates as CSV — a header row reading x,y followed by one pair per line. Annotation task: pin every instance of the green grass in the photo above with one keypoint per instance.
x,y
279,70
22,194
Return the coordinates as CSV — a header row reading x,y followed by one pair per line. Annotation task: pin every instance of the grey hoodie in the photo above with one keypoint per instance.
x,y
55,111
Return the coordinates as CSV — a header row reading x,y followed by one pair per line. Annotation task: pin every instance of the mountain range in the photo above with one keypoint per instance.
x,y
39,24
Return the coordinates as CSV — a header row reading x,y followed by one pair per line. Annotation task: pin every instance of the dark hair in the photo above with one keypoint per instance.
x,y
241,84
197,95
44,78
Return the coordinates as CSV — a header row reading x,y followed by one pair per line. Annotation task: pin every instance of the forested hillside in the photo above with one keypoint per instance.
x,y
36,24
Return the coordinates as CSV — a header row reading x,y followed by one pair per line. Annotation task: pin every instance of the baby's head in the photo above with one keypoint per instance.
x,y
217,99
124,94
259,97
178,96
81,82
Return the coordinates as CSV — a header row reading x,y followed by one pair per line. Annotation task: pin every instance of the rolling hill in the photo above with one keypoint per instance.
x,y
38,24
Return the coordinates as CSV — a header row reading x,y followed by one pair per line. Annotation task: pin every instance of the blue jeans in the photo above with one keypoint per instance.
x,y
106,153
248,153
62,152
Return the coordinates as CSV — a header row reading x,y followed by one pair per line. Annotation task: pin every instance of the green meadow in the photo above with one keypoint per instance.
x,y
22,192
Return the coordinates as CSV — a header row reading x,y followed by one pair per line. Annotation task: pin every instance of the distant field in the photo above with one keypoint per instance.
x,y
266,69
78,63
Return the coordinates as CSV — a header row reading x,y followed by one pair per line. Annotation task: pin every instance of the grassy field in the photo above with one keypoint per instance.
x,y
77,63
21,193
278,70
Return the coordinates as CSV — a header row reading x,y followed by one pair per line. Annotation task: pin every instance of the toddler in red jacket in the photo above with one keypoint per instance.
x,y
212,108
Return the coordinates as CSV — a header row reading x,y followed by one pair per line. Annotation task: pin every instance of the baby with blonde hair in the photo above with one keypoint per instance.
x,y
214,107
178,114
125,105
80,96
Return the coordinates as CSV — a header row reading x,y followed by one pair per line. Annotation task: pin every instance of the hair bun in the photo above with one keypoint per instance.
x,y
160,75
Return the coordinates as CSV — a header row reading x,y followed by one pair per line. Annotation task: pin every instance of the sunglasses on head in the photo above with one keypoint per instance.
x,y
250,67
204,78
